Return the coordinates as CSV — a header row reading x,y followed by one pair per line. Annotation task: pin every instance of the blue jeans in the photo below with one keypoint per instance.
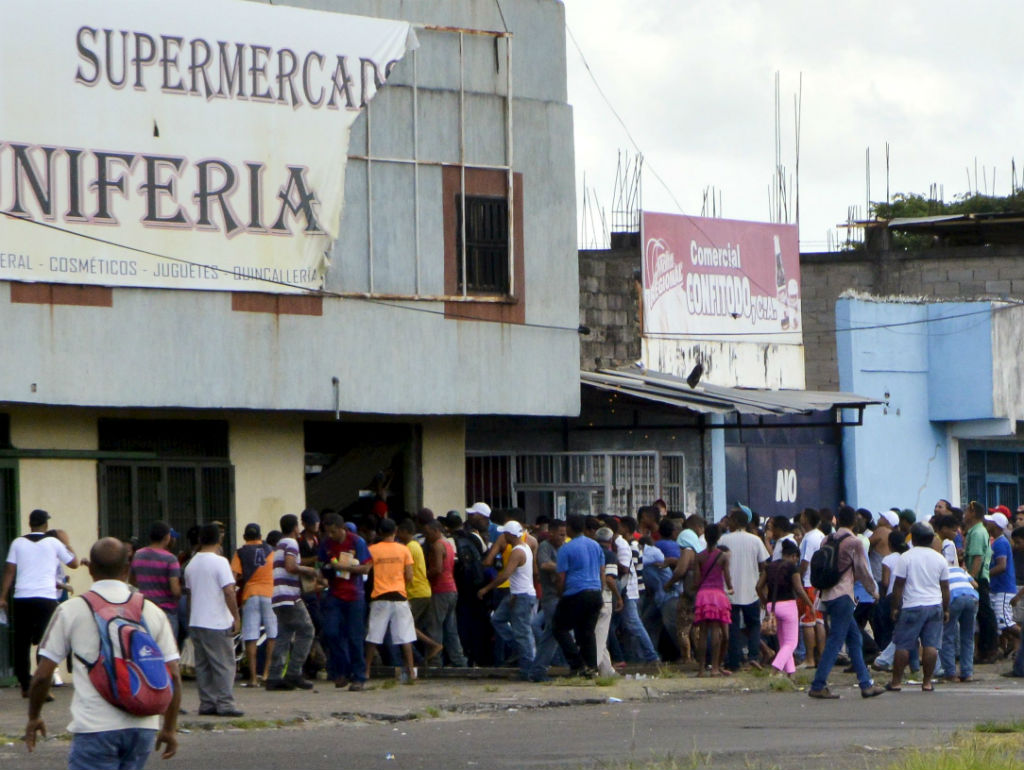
x,y
751,617
886,656
522,608
111,749
958,636
636,632
842,628
546,645
501,620
344,631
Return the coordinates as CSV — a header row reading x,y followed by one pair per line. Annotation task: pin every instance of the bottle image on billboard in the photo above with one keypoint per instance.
x,y
781,291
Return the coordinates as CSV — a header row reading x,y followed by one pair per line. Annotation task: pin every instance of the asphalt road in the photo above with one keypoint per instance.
x,y
752,730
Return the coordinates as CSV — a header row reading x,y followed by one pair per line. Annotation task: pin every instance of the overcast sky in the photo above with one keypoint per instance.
x,y
693,80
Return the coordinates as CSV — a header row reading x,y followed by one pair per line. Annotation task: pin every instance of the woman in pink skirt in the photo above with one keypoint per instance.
x,y
779,587
712,609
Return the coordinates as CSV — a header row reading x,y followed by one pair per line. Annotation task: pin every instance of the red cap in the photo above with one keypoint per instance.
x,y
1001,509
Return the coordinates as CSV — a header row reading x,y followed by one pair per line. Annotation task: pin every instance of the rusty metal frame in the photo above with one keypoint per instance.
x,y
416,162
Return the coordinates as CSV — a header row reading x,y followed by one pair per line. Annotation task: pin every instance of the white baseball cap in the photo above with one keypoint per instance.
x,y
481,509
513,528
998,519
891,518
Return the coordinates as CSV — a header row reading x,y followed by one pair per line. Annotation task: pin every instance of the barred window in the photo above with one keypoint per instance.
x,y
486,231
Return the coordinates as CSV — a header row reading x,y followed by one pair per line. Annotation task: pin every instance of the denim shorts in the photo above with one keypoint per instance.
x,y
924,623
256,612
126,749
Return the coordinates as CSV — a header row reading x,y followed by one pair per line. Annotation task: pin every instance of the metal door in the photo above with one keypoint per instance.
x,y
8,531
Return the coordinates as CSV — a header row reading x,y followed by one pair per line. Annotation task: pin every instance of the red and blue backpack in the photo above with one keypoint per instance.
x,y
130,671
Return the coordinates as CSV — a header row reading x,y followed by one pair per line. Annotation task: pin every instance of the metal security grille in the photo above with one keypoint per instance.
x,y
576,482
486,245
184,494
995,478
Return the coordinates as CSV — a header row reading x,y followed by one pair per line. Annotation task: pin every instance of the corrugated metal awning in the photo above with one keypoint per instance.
x,y
668,390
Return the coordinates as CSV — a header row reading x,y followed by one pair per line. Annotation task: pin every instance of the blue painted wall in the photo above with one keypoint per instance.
x,y
960,361
899,456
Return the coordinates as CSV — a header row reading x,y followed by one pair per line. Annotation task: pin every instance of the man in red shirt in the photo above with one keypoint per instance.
x,y
346,560
442,620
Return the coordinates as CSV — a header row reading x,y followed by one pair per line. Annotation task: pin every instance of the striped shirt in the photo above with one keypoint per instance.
x,y
287,586
960,584
153,569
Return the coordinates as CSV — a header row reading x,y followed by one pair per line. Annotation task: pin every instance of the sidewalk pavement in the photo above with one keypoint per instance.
x,y
444,695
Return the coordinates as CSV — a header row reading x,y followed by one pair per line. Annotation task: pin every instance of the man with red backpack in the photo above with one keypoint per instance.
x,y
124,679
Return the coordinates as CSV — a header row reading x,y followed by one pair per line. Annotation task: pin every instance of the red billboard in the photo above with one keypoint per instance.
x,y
721,279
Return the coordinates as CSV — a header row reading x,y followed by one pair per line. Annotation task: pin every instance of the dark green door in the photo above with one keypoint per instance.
x,y
8,531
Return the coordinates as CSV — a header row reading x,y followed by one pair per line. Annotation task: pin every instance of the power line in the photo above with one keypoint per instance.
x,y
618,117
258,278
838,330
502,14
636,146
403,304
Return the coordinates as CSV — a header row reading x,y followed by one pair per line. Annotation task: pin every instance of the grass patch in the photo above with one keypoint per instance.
x,y
490,688
1017,726
781,684
263,724
606,681
695,760
388,684
433,712
967,752
804,677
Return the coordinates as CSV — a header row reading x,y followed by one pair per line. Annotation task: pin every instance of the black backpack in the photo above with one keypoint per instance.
x,y
825,572
469,568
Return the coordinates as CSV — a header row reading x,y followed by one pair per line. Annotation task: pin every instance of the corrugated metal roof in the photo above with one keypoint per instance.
x,y
897,222
669,390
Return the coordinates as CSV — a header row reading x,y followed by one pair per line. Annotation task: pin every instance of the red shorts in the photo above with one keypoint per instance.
x,y
808,617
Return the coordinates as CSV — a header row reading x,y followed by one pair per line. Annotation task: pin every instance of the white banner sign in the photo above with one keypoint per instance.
x,y
194,144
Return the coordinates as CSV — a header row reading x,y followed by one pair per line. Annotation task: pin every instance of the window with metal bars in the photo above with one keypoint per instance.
x,y
486,232
184,494
586,482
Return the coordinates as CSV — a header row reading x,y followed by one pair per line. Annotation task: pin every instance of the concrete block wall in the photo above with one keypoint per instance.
x,y
948,273
609,307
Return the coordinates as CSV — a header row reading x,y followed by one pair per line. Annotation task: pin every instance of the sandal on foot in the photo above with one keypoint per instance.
x,y
890,688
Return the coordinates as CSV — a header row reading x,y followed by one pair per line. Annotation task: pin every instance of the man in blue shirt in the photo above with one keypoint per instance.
x,y
580,565
1002,582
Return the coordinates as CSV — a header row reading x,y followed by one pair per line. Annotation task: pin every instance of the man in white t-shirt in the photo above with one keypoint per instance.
x,y
920,596
747,560
212,624
32,563
102,734
812,621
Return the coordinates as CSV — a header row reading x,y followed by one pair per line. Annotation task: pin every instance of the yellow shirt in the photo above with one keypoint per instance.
x,y
419,588
505,554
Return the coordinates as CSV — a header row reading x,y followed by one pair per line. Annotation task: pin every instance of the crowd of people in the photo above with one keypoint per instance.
x,y
887,591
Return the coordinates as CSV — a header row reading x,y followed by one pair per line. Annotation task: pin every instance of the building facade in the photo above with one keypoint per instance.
x,y
452,283
950,379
